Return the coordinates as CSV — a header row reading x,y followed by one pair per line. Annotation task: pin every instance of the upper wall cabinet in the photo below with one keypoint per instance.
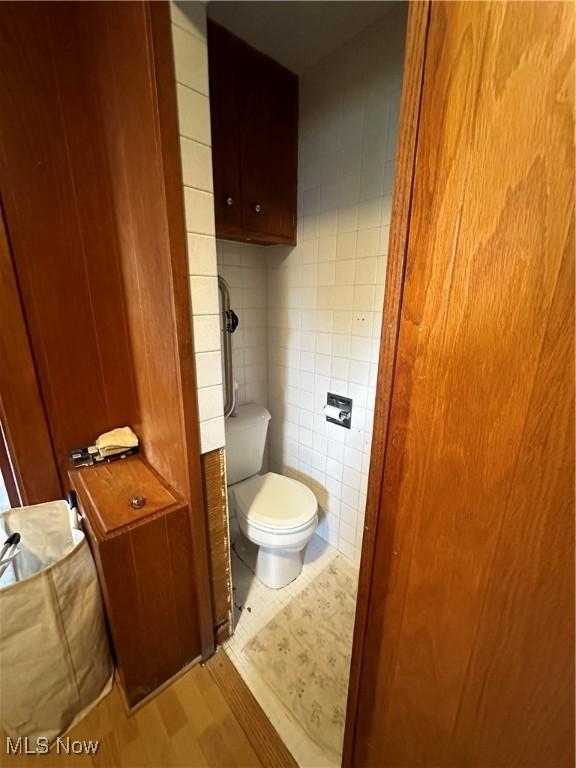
x,y
254,114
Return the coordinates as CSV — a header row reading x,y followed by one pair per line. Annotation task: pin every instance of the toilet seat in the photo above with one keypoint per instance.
x,y
275,503
279,515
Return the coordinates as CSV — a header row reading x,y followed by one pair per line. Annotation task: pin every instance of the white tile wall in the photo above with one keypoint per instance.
x,y
243,267
191,71
194,113
190,60
325,296
199,211
309,316
196,164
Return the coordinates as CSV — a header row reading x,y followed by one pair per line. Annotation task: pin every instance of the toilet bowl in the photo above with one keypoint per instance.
x,y
278,514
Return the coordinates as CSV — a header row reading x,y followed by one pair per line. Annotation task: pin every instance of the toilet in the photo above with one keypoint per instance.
x,y
276,513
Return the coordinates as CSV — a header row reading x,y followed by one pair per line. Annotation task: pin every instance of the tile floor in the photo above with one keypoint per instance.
x,y
254,606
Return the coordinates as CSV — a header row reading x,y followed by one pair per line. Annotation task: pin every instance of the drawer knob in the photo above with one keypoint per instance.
x,y
257,207
137,502
229,201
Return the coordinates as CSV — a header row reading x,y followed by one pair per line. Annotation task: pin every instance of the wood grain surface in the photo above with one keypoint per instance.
x,y
254,125
416,35
190,724
270,748
469,652
145,566
268,147
160,42
61,225
91,184
225,94
109,488
27,459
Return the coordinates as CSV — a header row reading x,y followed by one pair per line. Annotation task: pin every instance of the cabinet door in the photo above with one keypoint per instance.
x,y
225,53
269,147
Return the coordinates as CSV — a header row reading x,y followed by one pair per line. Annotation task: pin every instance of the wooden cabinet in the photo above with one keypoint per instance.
x,y
144,559
254,115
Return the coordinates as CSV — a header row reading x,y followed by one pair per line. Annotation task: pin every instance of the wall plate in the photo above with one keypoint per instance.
x,y
344,404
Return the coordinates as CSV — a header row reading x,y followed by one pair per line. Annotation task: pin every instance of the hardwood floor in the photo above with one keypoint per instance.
x,y
270,748
190,724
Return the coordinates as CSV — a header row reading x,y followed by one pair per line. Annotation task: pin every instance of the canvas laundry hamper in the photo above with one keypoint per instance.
x,y
55,661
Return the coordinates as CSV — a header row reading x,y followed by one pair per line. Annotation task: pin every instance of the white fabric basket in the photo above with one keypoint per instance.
x,y
55,661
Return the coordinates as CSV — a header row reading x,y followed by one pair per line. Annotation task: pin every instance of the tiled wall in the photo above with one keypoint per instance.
x,y
325,296
191,67
243,267
322,299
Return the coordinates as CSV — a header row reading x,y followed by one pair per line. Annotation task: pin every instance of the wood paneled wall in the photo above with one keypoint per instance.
x,y
86,208
117,41
469,651
27,460
92,191
86,203
56,191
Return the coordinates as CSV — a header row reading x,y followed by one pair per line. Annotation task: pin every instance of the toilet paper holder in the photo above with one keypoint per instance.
x,y
344,406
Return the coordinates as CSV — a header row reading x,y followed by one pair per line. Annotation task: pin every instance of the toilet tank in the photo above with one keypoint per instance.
x,y
245,441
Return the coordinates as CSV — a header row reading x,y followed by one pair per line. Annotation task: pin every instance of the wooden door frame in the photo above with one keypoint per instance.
x,y
413,75
27,457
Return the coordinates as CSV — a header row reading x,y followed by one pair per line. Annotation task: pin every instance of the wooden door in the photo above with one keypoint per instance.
x,y
468,654
269,149
225,56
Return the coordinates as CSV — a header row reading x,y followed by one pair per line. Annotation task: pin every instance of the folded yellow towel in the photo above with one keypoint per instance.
x,y
116,441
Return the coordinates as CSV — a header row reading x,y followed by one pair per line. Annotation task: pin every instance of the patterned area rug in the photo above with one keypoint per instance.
x,y
303,654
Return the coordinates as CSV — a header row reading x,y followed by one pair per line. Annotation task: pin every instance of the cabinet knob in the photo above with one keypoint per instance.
x,y
229,201
257,207
137,502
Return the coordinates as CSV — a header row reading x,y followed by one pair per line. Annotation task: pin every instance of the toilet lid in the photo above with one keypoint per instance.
x,y
275,501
